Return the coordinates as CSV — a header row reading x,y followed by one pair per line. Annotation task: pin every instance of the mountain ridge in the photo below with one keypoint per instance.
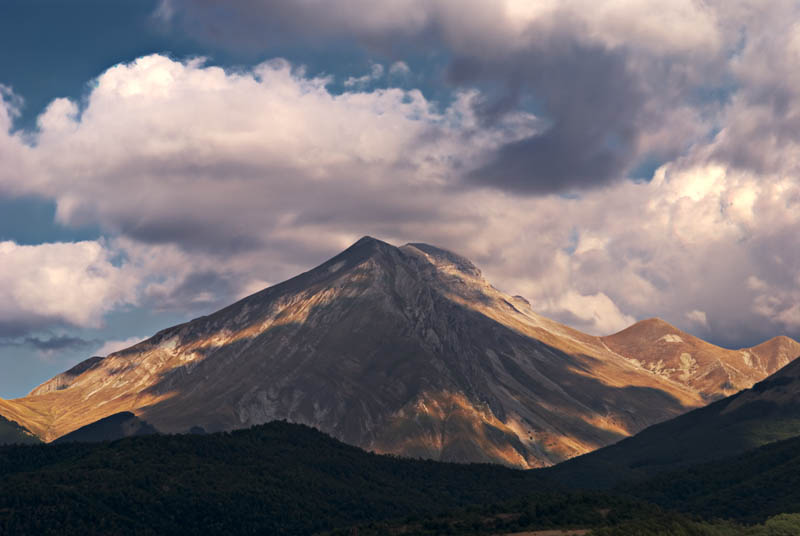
x,y
405,350
767,412
714,371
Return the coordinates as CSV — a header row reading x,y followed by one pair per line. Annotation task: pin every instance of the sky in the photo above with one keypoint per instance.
x,y
609,161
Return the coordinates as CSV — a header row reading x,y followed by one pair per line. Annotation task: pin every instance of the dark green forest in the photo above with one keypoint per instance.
x,y
283,478
277,478
720,430
751,487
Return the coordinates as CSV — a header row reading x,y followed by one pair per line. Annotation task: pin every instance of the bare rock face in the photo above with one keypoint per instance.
x,y
399,350
713,371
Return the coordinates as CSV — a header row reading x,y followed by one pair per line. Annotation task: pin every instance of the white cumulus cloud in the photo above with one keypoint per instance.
x,y
61,283
109,347
212,182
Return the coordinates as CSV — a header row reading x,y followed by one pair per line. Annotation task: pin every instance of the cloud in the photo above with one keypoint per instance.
x,y
57,343
49,345
59,284
593,105
376,73
197,172
109,347
166,152
760,128
14,153
399,68
698,317
682,26
677,244
214,182
595,313
616,81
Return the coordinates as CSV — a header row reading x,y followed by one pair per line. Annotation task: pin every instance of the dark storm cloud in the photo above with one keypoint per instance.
x,y
198,291
53,343
590,100
217,182
56,343
587,94
220,240
255,24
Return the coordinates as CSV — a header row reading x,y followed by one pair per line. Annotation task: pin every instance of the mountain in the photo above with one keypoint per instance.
x,y
117,426
749,487
755,493
13,433
713,371
768,412
398,350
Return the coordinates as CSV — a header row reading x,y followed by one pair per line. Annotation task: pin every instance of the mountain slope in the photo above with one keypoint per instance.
x,y
402,350
13,433
750,487
110,428
713,371
768,412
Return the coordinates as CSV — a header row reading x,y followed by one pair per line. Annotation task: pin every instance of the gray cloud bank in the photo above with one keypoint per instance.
x,y
610,78
212,184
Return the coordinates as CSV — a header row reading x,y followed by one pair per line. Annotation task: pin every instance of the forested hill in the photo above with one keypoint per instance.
x,y
277,478
749,488
768,412
282,478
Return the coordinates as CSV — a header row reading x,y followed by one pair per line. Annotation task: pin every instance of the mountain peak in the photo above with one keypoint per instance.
x,y
663,349
654,323
363,249
781,341
443,258
650,329
366,245
369,247
368,240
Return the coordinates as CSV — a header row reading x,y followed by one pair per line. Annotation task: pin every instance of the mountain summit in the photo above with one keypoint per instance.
x,y
406,350
713,371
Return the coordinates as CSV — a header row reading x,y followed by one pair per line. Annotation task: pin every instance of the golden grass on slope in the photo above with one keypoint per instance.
x,y
36,419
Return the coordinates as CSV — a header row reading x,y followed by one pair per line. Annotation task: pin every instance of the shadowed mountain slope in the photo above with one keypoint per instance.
x,y
400,350
768,412
110,428
12,433
750,487
713,371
